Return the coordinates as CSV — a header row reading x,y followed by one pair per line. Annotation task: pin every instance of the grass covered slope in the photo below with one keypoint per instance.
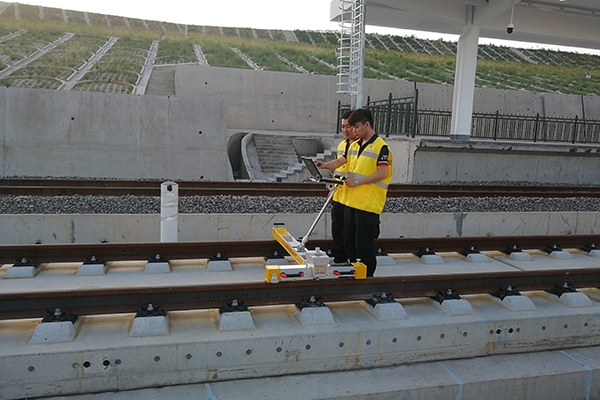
x,y
44,47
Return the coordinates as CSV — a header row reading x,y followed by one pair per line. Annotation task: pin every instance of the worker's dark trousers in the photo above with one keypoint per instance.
x,y
361,228
337,232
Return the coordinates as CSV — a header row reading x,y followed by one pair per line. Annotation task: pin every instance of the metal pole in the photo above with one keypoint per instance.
x,y
574,130
339,114
312,227
583,118
388,117
415,116
496,124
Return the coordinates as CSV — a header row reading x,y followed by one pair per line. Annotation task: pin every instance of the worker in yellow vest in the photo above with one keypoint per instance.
x,y
369,163
340,166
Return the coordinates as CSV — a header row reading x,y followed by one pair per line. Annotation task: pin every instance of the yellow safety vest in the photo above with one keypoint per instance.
x,y
340,193
367,197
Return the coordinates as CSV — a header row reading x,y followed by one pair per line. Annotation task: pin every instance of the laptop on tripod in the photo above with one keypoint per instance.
x,y
316,174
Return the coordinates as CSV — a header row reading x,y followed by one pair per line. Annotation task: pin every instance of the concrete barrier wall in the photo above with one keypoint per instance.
x,y
437,159
56,133
28,229
440,160
403,158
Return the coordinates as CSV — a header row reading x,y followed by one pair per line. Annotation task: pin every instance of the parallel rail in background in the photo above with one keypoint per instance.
x,y
85,187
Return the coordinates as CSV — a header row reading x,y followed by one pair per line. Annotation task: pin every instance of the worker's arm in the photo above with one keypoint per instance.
x,y
333,164
383,163
376,177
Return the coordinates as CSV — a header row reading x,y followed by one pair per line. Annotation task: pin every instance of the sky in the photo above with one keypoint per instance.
x,y
259,14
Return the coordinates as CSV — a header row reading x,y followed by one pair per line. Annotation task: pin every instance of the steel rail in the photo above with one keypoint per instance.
x,y
128,300
50,187
78,252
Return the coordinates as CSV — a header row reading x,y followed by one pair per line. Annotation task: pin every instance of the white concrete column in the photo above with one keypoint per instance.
x,y
169,202
464,84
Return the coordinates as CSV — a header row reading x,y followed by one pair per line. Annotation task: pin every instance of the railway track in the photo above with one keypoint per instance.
x,y
32,303
85,187
190,297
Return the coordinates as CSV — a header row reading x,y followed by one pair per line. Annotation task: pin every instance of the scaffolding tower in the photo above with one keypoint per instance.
x,y
351,50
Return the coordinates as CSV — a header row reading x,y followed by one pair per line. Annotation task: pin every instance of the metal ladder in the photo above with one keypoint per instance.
x,y
350,53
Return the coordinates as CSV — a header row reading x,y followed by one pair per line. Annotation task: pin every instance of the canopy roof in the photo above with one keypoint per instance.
x,y
569,23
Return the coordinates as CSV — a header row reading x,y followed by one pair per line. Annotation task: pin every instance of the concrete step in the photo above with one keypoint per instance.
x,y
301,174
162,81
279,156
276,155
275,152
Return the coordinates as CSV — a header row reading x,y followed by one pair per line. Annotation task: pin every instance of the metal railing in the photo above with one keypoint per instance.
x,y
496,126
401,117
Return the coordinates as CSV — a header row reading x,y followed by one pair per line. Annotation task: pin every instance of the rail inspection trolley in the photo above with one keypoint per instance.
x,y
312,264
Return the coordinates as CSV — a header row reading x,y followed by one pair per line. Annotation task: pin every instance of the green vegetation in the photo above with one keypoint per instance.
x,y
119,69
175,52
24,39
220,54
308,58
56,66
266,57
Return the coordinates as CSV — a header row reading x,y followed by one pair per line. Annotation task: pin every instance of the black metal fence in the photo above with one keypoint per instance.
x,y
401,117
496,126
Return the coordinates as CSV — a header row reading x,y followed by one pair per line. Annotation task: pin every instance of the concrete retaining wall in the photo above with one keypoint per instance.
x,y
264,100
508,102
57,133
286,101
591,107
563,105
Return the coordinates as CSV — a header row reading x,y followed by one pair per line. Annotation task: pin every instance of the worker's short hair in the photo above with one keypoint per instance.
x,y
361,115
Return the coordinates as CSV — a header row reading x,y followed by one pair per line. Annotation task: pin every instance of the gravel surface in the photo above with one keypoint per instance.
x,y
280,205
